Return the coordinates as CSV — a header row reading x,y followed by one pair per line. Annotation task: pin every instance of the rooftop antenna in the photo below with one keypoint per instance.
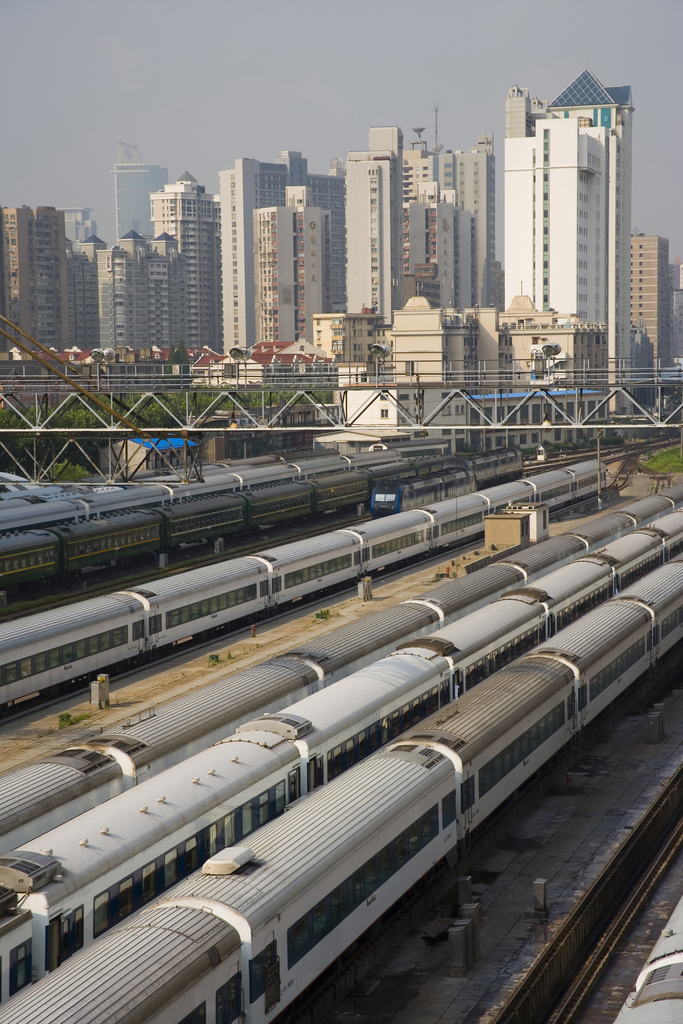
x,y
437,147
418,132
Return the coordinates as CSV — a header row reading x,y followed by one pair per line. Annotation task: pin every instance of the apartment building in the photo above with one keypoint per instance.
x,y
651,293
292,272
34,273
187,213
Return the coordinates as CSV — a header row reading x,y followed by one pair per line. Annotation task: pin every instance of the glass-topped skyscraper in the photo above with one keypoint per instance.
x,y
568,203
133,183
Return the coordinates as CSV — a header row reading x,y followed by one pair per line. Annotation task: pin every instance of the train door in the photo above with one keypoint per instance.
x,y
54,942
294,785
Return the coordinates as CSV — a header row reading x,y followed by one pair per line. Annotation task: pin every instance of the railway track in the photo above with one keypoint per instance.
x,y
560,981
117,580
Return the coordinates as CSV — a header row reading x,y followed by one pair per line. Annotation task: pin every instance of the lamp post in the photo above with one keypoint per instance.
x,y
378,351
600,434
240,355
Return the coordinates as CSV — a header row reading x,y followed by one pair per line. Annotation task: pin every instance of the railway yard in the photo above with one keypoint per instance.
x,y
526,719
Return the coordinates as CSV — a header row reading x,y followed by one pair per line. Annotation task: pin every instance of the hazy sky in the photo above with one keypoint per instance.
x,y
197,83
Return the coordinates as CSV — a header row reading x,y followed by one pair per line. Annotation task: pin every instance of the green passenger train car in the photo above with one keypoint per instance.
x,y
28,556
202,519
98,541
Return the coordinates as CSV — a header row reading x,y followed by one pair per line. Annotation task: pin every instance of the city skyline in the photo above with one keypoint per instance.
x,y
320,114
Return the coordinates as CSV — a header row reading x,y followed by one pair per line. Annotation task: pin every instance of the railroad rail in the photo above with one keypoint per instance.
x,y
593,930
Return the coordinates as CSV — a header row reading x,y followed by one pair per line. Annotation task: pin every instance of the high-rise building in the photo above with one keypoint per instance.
x,y
252,185
36,296
184,211
610,108
122,284
556,198
595,107
133,183
651,292
440,247
472,174
521,113
374,223
291,267
142,292
84,309
475,181
78,224
676,309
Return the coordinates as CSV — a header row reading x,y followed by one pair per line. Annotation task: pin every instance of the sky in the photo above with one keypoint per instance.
x,y
198,83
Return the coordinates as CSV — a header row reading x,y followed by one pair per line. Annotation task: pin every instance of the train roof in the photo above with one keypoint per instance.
x,y
537,557
228,701
603,526
412,519
35,789
25,540
595,634
453,594
330,826
646,508
362,637
136,970
367,692
669,524
322,545
629,546
120,521
486,712
658,588
230,572
58,623
195,506
482,627
240,763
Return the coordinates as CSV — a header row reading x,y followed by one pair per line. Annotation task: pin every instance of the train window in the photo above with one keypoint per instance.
x,y
192,853
138,629
280,788
467,794
370,876
263,588
198,1016
25,667
66,938
624,661
328,913
19,967
228,1003
11,672
149,881
260,964
79,649
93,645
263,808
247,819
312,572
117,636
170,868
155,624
78,928
229,833
105,641
671,622
211,840
101,914
354,890
448,810
125,897
67,653
512,755
397,544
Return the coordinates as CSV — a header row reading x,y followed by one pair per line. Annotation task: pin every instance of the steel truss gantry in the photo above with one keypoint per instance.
x,y
47,416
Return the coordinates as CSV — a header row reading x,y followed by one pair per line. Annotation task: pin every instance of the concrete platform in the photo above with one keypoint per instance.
x,y
35,734
566,839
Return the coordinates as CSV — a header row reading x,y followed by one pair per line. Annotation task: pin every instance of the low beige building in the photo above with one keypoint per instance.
x,y
347,337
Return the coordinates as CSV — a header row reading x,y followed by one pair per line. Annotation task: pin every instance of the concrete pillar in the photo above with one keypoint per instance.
x,y
218,546
460,948
464,890
471,912
540,895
